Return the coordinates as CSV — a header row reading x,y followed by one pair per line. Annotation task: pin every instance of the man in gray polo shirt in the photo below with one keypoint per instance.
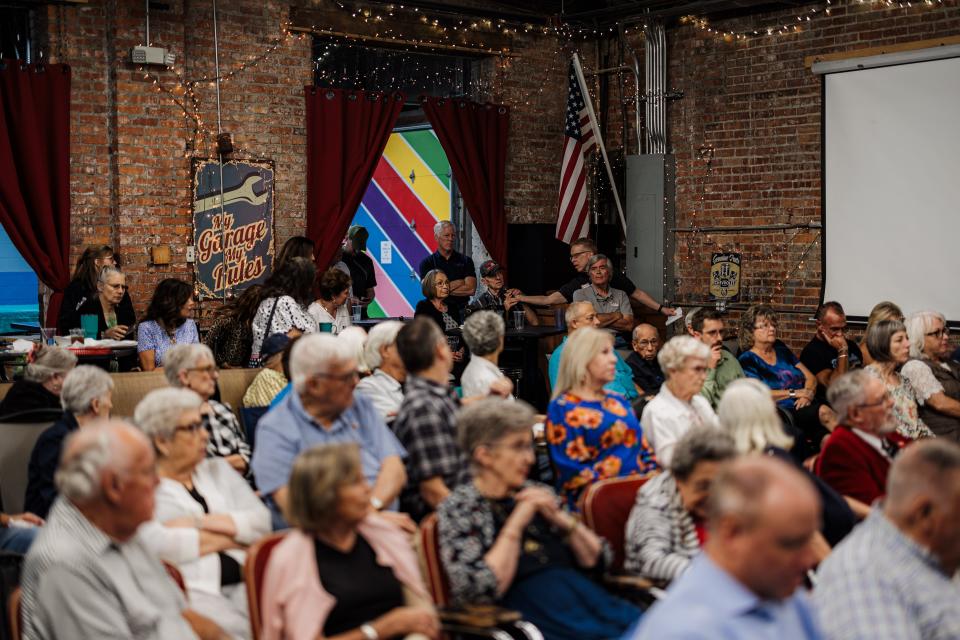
x,y
612,305
88,574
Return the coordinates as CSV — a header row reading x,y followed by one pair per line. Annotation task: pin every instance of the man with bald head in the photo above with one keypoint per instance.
x,y
582,314
891,578
88,574
762,517
644,366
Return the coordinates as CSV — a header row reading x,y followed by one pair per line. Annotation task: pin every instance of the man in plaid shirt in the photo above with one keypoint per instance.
x,y
891,579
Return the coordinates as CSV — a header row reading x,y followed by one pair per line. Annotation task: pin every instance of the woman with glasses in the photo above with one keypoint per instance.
x,y
933,375
679,406
792,385
191,366
210,514
114,320
83,286
890,347
169,321
436,289
506,540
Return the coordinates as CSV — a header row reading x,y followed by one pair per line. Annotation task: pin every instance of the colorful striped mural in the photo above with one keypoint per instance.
x,y
399,212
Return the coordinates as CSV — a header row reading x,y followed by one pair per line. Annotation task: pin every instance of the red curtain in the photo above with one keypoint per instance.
x,y
474,137
346,134
35,170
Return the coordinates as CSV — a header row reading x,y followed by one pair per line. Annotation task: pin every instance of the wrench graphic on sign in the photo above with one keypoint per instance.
x,y
242,193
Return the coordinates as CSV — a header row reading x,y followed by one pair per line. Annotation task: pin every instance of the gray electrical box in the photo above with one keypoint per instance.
x,y
650,188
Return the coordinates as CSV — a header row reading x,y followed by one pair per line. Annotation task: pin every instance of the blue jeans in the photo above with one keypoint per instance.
x,y
16,539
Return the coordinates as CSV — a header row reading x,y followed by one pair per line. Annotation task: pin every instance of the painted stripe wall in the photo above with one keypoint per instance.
x,y
401,210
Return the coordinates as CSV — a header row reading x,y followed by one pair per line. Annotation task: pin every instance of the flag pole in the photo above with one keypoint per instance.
x,y
596,132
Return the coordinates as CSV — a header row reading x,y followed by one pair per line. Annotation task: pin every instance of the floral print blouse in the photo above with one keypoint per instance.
x,y
593,440
905,409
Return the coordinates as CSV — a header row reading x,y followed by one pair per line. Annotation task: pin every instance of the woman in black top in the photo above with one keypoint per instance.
x,y
83,286
436,289
41,383
114,320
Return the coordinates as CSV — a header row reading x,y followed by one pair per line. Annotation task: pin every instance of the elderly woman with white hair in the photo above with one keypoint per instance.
x,y
483,332
506,540
87,395
191,366
592,433
41,383
748,413
667,524
679,405
204,495
932,374
384,386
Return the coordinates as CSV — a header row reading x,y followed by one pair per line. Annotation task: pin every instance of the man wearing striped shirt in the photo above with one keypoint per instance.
x,y
891,579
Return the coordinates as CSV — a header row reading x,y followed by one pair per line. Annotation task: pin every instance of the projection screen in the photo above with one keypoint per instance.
x,y
891,184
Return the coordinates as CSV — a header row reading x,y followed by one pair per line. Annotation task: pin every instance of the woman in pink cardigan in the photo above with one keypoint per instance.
x,y
344,572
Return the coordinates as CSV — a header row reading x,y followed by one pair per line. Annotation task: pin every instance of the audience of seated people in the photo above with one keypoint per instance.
x,y
761,518
483,332
507,541
667,526
707,326
578,315
86,396
83,287
343,570
322,408
271,379
42,381
332,307
384,386
115,320
643,362
748,414
679,406
830,353
205,497
435,287
89,574
191,366
426,421
856,457
611,304
881,311
496,297
890,348
458,268
592,433
168,321
581,250
933,376
792,385
284,300
894,577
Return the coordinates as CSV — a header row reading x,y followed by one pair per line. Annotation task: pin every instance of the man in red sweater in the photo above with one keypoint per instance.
x,y
856,457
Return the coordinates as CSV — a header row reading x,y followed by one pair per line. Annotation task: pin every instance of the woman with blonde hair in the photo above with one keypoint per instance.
x,y
747,412
881,311
343,570
592,433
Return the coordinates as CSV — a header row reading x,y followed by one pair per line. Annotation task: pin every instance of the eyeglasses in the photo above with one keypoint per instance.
x,y
882,401
193,427
350,376
210,369
939,333
574,256
643,344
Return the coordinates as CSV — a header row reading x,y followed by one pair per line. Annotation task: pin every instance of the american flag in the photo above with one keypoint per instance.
x,y
573,220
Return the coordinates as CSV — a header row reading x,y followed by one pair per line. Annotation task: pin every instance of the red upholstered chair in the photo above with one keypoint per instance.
x,y
14,611
176,576
254,570
428,544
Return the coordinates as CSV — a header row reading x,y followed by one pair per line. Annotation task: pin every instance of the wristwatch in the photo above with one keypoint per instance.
x,y
793,393
377,503
369,633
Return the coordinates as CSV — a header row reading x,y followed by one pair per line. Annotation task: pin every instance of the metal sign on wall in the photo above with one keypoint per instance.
x,y
725,277
233,239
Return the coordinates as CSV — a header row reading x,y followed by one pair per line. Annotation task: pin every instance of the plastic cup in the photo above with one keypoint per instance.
x,y
357,310
518,318
558,319
326,327
48,335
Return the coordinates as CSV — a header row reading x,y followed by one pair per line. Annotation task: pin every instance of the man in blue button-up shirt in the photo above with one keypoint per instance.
x,y
323,409
763,516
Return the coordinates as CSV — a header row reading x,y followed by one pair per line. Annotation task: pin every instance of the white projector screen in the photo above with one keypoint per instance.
x,y
891,175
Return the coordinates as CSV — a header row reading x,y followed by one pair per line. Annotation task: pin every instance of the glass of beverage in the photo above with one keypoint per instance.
x,y
76,336
518,318
48,335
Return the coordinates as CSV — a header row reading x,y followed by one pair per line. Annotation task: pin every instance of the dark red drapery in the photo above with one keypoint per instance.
x,y
474,137
35,170
346,134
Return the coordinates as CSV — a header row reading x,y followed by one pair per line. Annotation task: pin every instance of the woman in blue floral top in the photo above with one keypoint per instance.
x,y
168,322
593,434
